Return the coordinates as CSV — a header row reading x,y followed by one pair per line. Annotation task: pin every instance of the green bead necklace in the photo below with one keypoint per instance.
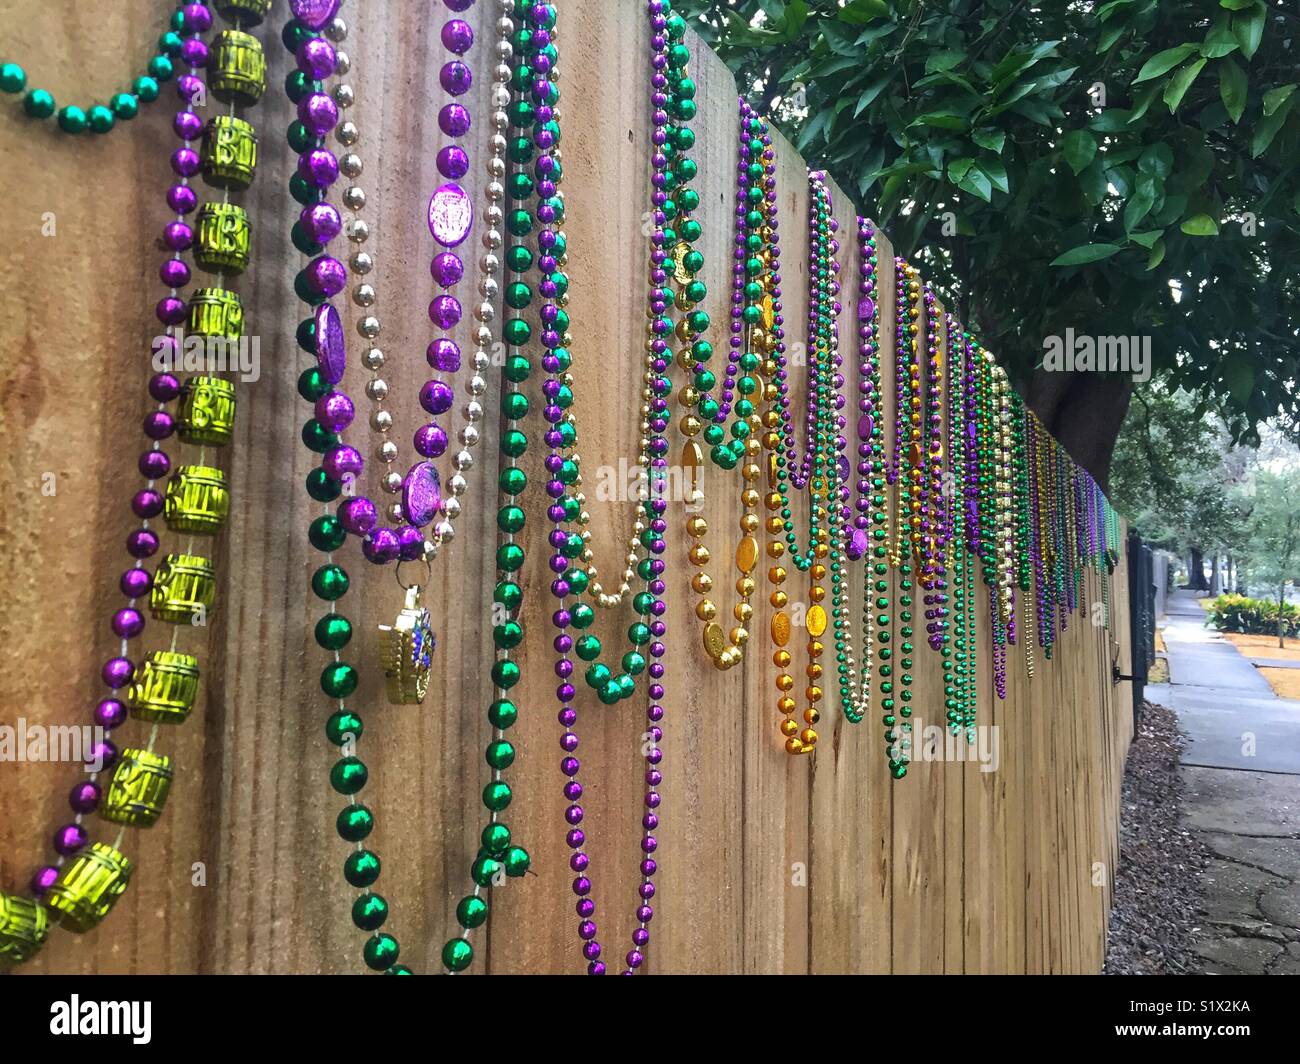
x,y
39,104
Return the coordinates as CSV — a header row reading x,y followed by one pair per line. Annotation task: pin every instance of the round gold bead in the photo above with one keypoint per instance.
x,y
699,555
781,659
706,610
746,586
785,683
697,527
779,599
743,612
702,583
789,728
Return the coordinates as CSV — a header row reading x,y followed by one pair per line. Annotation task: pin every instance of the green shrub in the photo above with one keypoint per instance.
x,y
1237,613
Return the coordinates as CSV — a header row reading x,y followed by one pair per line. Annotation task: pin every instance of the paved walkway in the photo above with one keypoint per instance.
x,y
1241,773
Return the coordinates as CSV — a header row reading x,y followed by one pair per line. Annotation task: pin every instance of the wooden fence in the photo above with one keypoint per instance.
x,y
769,864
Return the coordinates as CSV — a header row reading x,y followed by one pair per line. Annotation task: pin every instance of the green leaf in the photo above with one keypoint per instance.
x,y
991,139
1180,83
1094,184
1140,203
869,94
959,168
1248,28
1238,378
1163,62
1236,5
1233,88
1158,159
1148,238
942,120
1219,42
1157,255
860,12
977,183
1267,128
1201,225
1275,98
1111,120
1079,147
996,171
1085,254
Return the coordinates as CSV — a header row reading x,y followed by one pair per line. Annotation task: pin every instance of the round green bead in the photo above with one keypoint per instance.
x,y
369,912
362,869
457,955
508,594
399,969
381,952
517,862
161,67
125,106
505,674
349,776
503,714
13,79
321,488
484,870
72,120
496,839
472,912
500,755
317,439
327,534
511,519
355,823
510,556
330,583
344,727
38,104
146,88
338,681
497,796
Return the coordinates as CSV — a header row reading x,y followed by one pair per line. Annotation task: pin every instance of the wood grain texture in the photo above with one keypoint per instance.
x,y
952,870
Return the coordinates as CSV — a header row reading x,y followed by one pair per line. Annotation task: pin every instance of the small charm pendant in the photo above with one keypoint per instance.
x,y
408,652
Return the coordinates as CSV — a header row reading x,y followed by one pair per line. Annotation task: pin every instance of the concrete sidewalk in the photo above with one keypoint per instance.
x,y
1241,773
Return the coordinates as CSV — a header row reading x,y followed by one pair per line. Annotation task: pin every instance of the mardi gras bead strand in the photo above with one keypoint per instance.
x,y
177,47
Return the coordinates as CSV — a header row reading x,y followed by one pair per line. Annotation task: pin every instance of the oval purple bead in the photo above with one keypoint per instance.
x,y
422,494
314,14
444,355
857,545
451,215
866,308
331,344
436,397
866,426
359,516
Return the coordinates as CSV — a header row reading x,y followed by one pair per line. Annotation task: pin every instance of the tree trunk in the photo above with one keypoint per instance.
x,y
1085,411
1216,583
1281,621
1196,571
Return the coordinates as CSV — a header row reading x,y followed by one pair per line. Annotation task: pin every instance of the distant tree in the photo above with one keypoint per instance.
x,y
1275,535
1122,167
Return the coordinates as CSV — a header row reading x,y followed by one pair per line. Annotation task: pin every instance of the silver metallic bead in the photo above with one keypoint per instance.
x,y
499,120
488,287
386,452
495,215
498,145
490,263
362,263
369,327
397,513
377,389
458,485
392,483
477,385
347,134
381,421
446,533
485,312
342,62
358,231
337,30
374,359
496,191
452,508
483,338
354,198
344,95
496,168
492,239
500,96
350,165
474,412
364,295
464,461
469,436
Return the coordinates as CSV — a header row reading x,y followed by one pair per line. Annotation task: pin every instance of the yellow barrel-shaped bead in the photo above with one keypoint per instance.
x,y
198,501
244,12
165,688
88,887
229,153
224,238
24,926
218,313
184,588
237,68
139,789
207,411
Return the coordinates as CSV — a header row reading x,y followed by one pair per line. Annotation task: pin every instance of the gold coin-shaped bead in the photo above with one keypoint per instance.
x,y
715,640
747,555
816,621
781,629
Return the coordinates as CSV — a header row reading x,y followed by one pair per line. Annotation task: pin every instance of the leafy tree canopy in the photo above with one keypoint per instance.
x,y
1121,167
